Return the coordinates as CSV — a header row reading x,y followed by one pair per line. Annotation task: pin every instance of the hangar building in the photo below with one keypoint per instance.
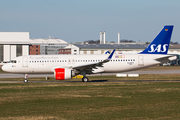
x,y
49,46
13,44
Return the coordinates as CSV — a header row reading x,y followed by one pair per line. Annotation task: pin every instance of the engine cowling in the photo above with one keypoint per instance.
x,y
63,73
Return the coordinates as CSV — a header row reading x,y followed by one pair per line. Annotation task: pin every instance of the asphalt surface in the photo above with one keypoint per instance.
x,y
59,81
8,75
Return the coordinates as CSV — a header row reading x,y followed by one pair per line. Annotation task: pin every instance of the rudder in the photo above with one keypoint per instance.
x,y
160,44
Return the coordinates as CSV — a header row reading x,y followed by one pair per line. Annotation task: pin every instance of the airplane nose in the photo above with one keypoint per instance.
x,y
4,68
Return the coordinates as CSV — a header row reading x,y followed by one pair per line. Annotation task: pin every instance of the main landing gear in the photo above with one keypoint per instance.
x,y
26,78
85,79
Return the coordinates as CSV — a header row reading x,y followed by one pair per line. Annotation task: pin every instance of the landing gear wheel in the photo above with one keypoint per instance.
x,y
26,78
85,79
25,81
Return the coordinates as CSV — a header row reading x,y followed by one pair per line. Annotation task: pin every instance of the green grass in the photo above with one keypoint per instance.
x,y
90,101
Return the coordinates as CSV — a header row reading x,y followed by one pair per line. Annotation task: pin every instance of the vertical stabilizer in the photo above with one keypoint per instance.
x,y
160,44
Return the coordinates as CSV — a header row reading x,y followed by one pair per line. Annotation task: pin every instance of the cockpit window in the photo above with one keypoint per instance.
x,y
12,61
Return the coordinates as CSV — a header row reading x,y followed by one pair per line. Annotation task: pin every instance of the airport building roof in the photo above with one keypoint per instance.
x,y
111,46
120,46
47,41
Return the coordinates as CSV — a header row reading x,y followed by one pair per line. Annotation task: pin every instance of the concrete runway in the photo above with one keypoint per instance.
x,y
64,81
8,75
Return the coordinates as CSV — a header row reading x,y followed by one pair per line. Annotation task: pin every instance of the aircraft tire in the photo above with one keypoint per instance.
x,y
25,81
85,79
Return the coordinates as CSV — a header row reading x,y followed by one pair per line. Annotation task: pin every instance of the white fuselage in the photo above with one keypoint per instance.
x,y
46,63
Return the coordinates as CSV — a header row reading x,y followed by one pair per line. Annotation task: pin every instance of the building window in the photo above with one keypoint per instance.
x,y
1,53
19,50
36,46
36,50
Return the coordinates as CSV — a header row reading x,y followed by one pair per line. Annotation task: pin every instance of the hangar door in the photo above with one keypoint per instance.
x,y
140,60
25,62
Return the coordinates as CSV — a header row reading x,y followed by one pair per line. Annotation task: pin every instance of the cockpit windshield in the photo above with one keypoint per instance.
x,y
12,61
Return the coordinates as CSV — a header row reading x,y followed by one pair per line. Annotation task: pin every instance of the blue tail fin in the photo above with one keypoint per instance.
x,y
160,44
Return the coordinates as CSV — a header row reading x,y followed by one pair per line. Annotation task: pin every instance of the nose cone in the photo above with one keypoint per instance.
x,y
5,68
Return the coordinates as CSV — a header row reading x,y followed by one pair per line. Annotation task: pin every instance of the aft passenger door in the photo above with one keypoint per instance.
x,y
140,60
25,62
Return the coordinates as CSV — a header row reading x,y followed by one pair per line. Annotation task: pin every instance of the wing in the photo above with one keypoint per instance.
x,y
88,67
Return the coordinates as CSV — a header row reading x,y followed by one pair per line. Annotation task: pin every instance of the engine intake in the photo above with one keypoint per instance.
x,y
63,73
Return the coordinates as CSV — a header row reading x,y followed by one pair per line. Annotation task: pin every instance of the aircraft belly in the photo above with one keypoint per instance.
x,y
120,67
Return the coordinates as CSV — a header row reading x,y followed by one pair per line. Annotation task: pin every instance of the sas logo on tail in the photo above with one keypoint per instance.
x,y
158,48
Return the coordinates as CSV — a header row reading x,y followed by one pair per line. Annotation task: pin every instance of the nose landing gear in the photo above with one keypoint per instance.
x,y
26,78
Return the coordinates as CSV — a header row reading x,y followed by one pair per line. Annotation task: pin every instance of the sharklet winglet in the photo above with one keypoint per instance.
x,y
110,56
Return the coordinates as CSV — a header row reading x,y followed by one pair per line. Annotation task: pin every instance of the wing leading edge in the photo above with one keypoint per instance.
x,y
88,67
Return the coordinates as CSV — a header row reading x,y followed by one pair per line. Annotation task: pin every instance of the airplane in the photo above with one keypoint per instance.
x,y
67,66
